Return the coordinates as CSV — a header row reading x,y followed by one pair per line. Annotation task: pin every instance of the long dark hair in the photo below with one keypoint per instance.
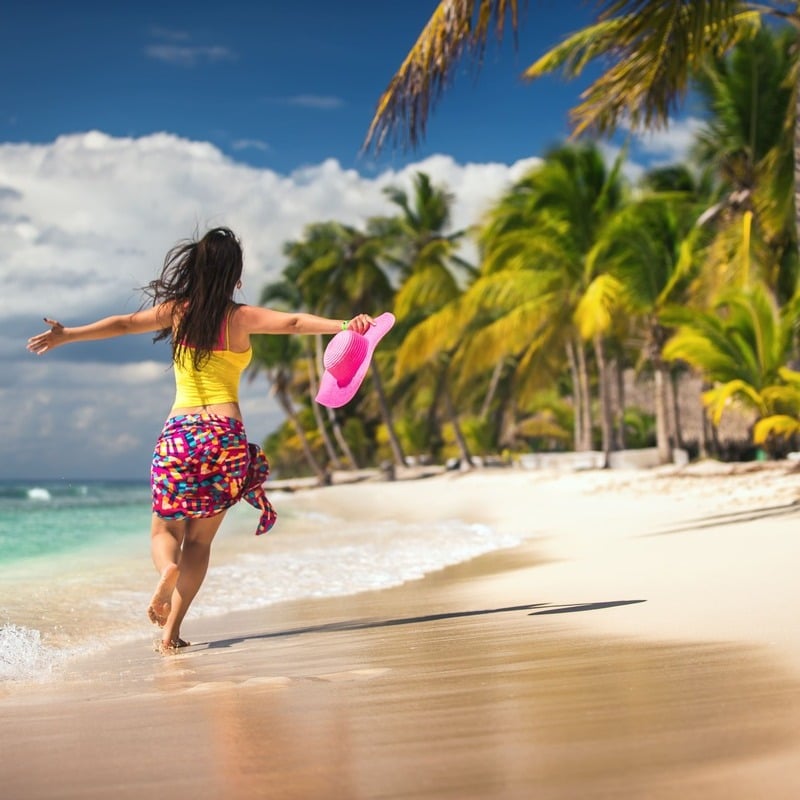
x,y
200,277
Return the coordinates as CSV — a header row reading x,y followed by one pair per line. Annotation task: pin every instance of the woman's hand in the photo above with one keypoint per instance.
x,y
360,324
48,340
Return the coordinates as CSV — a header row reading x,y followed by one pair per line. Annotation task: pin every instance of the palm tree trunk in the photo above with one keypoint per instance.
x,y
660,405
338,434
797,156
452,417
494,382
657,337
706,430
586,404
577,416
286,404
397,450
333,458
675,395
604,379
619,369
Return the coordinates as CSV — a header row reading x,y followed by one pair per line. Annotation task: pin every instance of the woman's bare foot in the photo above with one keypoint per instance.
x,y
170,647
160,605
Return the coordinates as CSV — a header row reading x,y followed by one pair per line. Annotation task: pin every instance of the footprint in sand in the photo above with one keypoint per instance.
x,y
161,603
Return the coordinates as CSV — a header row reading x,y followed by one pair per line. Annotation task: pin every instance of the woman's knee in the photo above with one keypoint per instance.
x,y
202,530
176,528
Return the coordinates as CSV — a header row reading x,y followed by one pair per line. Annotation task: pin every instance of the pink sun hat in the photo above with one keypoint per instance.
x,y
346,361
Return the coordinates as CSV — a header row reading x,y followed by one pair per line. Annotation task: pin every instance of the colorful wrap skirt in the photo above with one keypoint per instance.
x,y
203,464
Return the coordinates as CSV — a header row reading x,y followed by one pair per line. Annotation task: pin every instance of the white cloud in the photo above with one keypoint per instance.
x,y
86,219
170,34
320,102
649,149
188,55
632,170
668,145
250,144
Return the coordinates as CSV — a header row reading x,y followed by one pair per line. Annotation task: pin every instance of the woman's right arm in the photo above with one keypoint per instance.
x,y
144,321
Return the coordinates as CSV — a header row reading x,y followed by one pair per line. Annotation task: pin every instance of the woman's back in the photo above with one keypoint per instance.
x,y
216,380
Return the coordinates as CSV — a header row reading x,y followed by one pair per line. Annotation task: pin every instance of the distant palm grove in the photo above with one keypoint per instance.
x,y
579,284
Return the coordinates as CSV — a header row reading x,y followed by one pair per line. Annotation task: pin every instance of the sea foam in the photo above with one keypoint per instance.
x,y
24,657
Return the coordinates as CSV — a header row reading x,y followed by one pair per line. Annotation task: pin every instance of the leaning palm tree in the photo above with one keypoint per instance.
x,y
650,51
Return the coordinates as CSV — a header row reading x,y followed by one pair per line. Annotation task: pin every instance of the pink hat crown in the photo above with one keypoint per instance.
x,y
345,352
347,359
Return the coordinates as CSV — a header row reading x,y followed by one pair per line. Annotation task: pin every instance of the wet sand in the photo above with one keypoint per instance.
x,y
642,644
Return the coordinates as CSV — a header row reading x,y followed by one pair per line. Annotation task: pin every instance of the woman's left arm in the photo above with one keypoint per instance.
x,y
144,321
255,319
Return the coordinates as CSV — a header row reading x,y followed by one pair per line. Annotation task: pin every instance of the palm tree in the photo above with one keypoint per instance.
x,y
276,356
650,49
418,244
536,273
746,145
650,251
286,293
337,255
740,347
429,295
782,421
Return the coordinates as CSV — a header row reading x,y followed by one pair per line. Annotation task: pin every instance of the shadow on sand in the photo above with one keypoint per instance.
x,y
365,624
732,518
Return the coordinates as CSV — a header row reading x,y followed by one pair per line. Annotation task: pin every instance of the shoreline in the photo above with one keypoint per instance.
x,y
639,642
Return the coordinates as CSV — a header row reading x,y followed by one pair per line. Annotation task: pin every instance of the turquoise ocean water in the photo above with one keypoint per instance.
x,y
46,518
76,574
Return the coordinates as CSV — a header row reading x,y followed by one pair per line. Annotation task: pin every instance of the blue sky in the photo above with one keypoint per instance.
x,y
125,128
273,84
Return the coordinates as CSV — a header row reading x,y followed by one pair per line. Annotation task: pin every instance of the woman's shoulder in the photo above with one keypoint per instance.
x,y
246,314
240,325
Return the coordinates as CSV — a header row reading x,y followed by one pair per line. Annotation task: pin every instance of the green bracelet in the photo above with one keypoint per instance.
x,y
345,323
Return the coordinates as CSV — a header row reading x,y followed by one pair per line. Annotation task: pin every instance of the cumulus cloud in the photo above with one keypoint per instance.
x,y
657,148
669,145
88,218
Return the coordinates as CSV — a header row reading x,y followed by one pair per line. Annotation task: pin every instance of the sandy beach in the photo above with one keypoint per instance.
x,y
641,643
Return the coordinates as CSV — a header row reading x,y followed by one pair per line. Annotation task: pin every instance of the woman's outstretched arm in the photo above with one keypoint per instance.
x,y
144,321
255,319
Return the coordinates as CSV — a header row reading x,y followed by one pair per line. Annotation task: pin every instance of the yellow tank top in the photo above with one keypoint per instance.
x,y
217,381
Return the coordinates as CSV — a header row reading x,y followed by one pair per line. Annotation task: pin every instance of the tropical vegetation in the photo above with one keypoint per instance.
x,y
585,283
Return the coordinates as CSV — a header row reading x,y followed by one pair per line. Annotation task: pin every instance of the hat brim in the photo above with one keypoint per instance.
x,y
334,394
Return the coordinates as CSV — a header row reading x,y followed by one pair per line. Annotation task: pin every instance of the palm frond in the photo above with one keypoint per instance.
x,y
425,291
775,426
437,334
523,327
653,47
456,26
595,310
721,397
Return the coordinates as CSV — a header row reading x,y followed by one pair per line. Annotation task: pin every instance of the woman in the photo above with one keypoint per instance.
x,y
202,463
